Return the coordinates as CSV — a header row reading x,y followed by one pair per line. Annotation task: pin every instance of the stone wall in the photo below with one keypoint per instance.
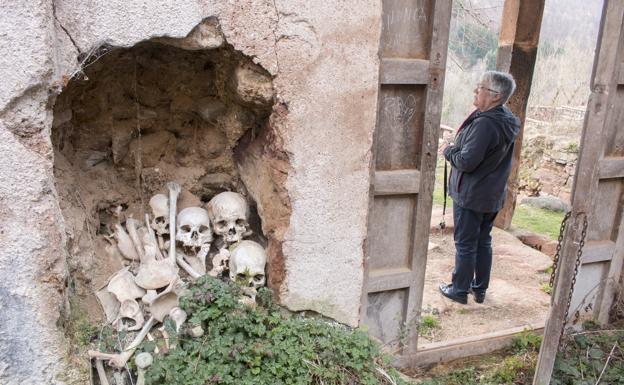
x,y
307,169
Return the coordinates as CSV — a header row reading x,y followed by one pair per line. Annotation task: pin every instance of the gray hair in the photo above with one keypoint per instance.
x,y
501,82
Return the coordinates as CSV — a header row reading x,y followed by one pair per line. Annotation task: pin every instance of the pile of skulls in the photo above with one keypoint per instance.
x,y
150,287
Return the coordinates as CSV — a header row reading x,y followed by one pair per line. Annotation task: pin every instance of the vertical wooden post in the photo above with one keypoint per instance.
x,y
587,199
517,50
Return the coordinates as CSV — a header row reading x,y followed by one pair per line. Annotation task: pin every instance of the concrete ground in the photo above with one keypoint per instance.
x,y
514,299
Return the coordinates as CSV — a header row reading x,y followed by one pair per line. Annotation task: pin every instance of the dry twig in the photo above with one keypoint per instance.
x,y
606,363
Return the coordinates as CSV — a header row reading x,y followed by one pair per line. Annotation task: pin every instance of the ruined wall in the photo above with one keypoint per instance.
x,y
307,171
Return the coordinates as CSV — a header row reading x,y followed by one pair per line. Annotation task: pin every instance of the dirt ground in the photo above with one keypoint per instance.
x,y
514,298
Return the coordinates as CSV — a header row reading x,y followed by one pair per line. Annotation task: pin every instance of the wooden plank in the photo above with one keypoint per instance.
x,y
613,136
406,28
397,182
386,312
585,180
390,235
615,271
399,127
612,167
439,352
384,280
621,74
604,214
598,251
404,71
428,158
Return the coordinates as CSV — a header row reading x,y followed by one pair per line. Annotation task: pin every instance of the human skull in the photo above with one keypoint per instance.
x,y
247,262
193,227
160,209
228,213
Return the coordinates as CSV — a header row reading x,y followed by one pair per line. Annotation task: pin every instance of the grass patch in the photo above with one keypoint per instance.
x,y
537,220
546,288
428,326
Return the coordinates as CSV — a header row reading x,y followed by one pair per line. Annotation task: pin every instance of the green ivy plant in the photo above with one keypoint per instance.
x,y
590,357
263,345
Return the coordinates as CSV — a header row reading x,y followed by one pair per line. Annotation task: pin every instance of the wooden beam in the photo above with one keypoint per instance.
x,y
438,352
404,71
517,51
598,251
383,280
397,182
612,167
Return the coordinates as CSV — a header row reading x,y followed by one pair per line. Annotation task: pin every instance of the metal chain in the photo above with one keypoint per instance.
x,y
551,283
579,253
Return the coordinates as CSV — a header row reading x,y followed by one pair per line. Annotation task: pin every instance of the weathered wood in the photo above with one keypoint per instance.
x,y
585,186
445,351
413,58
428,158
613,274
517,51
384,280
604,214
391,231
621,74
404,71
399,127
611,168
406,29
598,251
397,182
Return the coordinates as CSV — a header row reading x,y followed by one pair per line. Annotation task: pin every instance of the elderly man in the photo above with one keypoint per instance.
x,y
481,161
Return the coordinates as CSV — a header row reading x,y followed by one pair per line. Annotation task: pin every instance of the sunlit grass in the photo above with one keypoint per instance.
x,y
538,220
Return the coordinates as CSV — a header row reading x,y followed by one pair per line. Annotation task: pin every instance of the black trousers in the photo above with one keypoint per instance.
x,y
473,246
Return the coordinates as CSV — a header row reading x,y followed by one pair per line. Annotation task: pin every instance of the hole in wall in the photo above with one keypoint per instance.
x,y
138,118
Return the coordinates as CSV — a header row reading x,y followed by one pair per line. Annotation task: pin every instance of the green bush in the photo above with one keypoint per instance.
x,y
243,345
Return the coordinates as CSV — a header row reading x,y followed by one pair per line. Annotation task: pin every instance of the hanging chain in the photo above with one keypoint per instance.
x,y
579,253
551,283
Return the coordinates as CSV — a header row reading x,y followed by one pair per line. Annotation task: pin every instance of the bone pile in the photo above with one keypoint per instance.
x,y
143,294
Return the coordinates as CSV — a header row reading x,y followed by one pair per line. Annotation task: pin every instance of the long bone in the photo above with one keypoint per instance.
x,y
188,268
124,243
101,372
131,226
119,360
203,253
174,191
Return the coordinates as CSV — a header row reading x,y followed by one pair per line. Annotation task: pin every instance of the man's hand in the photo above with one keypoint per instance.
x,y
447,139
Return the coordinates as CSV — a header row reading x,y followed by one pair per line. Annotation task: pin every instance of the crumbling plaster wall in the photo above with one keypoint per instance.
x,y
323,56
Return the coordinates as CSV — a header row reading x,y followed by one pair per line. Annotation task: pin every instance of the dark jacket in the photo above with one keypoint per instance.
x,y
481,159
